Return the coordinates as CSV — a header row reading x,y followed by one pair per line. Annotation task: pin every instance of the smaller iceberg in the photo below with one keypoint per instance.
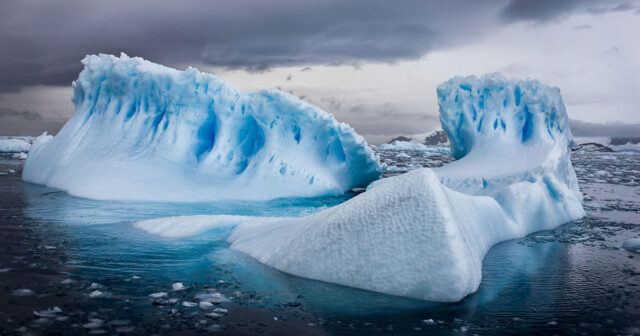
x,y
142,131
425,233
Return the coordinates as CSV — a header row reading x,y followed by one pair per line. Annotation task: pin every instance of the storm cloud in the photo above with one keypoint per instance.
x,y
546,10
587,129
42,42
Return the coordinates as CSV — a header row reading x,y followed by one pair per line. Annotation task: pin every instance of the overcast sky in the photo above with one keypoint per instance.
x,y
374,64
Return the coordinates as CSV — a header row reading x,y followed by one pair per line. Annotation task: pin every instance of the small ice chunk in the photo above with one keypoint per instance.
x,y
93,323
96,293
221,311
212,297
428,321
20,156
178,286
213,315
95,285
158,295
189,304
632,245
66,281
206,305
23,292
5,270
48,313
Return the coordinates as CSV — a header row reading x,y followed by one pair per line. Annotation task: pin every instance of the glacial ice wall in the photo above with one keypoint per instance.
x,y
425,233
142,131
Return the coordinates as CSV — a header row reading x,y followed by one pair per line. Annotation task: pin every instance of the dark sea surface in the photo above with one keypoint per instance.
x,y
86,258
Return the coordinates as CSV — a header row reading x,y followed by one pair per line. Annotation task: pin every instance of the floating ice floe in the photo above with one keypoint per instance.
x,y
137,123
632,245
96,294
158,295
424,234
178,286
20,156
212,297
23,292
14,145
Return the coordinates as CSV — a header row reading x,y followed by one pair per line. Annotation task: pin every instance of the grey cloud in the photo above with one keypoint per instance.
x,y
6,112
583,26
547,10
587,129
42,42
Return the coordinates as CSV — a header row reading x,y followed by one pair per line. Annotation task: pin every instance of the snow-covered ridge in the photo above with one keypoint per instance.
x,y
147,132
425,233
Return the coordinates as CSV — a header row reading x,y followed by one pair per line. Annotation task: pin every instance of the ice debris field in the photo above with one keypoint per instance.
x,y
422,234
142,131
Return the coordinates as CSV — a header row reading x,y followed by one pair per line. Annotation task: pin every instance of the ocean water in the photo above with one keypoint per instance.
x,y
86,258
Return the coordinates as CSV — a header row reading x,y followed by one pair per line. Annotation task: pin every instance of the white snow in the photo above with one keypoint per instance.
x,y
632,245
424,234
142,131
20,156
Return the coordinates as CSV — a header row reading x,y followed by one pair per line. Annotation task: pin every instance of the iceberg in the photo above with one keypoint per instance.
x,y
412,146
14,145
142,131
425,233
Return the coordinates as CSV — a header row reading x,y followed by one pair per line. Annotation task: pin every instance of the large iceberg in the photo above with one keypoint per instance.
x,y
425,233
142,131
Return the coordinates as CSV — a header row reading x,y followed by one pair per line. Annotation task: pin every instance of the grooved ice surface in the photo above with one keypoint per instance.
x,y
424,234
142,131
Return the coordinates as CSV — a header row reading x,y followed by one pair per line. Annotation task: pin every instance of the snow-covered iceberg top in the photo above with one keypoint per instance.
x,y
147,132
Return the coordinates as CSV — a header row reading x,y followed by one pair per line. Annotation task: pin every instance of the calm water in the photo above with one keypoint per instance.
x,y
573,280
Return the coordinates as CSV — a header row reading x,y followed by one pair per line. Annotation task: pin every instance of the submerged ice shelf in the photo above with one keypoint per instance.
x,y
425,233
142,131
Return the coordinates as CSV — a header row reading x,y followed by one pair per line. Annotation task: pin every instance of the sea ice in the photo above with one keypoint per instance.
x,y
142,131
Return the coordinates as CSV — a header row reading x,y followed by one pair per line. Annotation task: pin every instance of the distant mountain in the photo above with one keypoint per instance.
x,y
401,138
618,141
592,147
437,138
